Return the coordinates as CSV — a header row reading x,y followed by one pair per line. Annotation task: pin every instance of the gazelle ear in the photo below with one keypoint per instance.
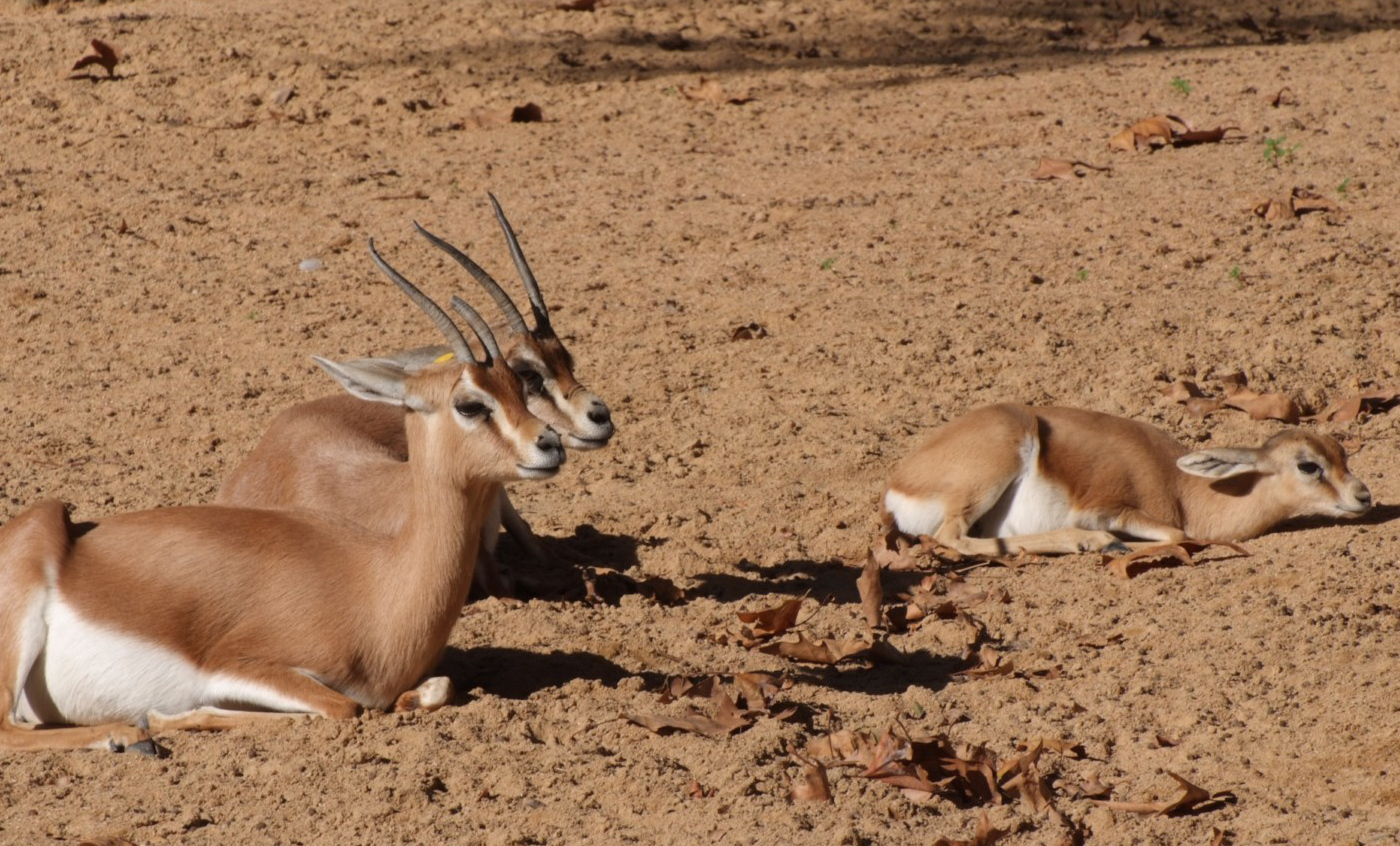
x,y
374,379
1219,463
418,358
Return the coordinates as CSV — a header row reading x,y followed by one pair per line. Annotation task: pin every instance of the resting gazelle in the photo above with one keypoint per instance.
x,y
206,616
340,454
1007,478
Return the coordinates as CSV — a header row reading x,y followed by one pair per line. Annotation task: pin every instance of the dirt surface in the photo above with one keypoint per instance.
x,y
867,202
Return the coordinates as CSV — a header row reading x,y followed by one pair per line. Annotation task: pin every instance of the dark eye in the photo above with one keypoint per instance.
x,y
534,382
1310,468
472,409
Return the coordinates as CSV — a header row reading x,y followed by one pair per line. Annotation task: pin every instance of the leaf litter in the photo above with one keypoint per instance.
x,y
1191,798
1163,555
1167,130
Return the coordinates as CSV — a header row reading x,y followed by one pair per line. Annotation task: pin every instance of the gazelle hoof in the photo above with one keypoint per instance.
x,y
1116,547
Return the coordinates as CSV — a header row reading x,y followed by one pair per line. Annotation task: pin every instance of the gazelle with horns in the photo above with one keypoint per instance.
x,y
1008,478
205,616
341,455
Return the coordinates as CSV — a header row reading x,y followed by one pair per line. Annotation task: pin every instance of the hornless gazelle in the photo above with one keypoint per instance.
x,y
341,455
1008,478
207,616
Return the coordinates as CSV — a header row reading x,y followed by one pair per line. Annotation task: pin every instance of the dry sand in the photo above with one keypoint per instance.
x,y
867,204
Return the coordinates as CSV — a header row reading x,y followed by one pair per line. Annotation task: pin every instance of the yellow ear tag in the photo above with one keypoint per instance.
x,y
444,357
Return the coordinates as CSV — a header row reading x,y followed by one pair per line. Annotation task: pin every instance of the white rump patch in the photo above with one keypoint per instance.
x,y
914,516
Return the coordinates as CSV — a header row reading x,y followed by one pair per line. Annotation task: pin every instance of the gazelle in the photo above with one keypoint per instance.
x,y
1008,477
342,455
206,616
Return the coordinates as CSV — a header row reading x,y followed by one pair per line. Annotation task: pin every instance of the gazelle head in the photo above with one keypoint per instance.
x,y
537,355
1306,472
478,427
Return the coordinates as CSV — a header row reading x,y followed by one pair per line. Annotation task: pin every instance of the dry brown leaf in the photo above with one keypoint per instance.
x,y
812,785
101,54
1201,406
1162,741
708,90
1351,407
1134,32
1061,169
842,747
1153,131
985,834
760,689
748,332
680,686
1191,796
693,722
581,5
1304,201
729,715
1092,788
661,590
872,594
1204,136
1135,562
772,622
989,663
1099,641
1181,390
1274,209
1264,406
1027,782
1220,837
1284,97
821,651
107,841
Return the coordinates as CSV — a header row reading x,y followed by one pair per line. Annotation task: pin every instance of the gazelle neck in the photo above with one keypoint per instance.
x,y
1236,508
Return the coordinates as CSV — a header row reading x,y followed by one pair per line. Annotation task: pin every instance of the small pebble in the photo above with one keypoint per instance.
x,y
311,265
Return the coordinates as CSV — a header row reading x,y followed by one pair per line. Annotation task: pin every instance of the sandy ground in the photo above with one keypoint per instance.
x,y
867,204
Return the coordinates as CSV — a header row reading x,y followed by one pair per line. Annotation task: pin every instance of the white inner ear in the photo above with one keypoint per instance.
x,y
373,379
1219,463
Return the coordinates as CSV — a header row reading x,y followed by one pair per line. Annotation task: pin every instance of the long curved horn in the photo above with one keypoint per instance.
x,y
532,287
493,288
479,326
455,338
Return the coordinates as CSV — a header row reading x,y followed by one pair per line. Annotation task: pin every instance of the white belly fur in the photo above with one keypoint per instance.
x,y
1031,505
89,673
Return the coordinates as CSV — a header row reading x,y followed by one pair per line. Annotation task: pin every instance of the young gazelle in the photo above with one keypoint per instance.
x,y
205,616
346,456
1048,480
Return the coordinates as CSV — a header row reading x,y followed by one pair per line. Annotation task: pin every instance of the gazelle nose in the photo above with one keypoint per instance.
x,y
1363,496
598,414
548,441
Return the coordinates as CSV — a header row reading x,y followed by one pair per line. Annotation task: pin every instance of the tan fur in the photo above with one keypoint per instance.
x,y
1116,476
346,456
284,598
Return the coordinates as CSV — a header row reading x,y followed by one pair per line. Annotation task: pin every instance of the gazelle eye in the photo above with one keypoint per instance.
x,y
472,409
1310,468
534,382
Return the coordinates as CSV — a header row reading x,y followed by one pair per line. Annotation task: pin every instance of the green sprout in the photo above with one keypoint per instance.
x,y
1344,187
1183,85
1278,149
826,265
1083,275
1236,274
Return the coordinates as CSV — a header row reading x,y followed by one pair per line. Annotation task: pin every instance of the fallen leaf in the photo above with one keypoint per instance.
x,y
1274,209
984,835
748,332
1162,741
1153,131
1191,796
283,95
1181,390
1351,407
1305,201
1220,837
1264,406
661,590
1204,136
107,841
820,651
812,785
1026,782
581,5
528,113
760,689
1201,406
1061,169
1284,97
989,663
101,54
680,686
1092,788
693,722
872,594
772,622
699,791
1134,32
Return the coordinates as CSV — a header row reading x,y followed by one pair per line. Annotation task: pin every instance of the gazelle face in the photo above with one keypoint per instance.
x,y
1314,467
505,440
552,393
